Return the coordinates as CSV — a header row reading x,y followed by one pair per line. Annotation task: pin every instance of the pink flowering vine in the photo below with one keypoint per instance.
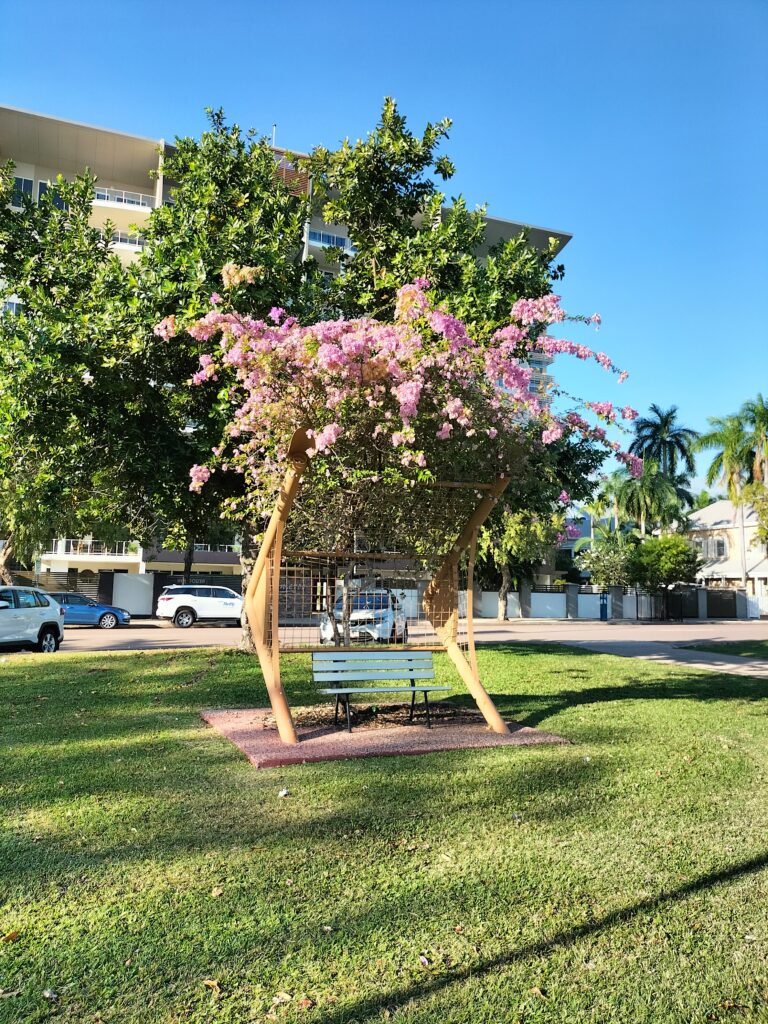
x,y
412,395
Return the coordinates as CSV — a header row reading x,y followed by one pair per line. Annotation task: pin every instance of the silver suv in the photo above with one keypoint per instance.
x,y
375,616
30,618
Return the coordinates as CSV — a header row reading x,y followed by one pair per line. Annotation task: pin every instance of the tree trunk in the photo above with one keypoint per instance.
x,y
743,550
249,552
506,583
189,555
6,554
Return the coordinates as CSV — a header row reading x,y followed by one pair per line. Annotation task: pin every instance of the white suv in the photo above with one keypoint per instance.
x,y
186,605
30,618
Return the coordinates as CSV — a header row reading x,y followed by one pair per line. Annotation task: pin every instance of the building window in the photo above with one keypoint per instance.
x,y
21,187
12,306
43,187
324,238
719,548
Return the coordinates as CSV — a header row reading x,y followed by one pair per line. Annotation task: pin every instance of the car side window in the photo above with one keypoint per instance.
x,y
204,591
7,595
222,592
41,600
26,599
76,599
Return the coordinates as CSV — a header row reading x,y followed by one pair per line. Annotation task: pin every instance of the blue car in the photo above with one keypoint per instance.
x,y
80,610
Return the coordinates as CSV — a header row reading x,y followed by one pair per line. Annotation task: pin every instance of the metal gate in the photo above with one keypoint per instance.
x,y
721,604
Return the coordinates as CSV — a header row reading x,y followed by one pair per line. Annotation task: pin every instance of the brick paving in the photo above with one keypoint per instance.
x,y
250,732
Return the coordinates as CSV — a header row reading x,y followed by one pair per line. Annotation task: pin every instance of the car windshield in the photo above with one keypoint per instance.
x,y
365,603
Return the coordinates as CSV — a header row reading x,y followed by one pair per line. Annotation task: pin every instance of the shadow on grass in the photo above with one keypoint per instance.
x,y
372,1008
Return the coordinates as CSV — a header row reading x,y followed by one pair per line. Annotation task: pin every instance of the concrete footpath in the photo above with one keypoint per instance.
x,y
665,642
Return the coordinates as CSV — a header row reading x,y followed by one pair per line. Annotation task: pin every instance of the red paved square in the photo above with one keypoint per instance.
x,y
253,732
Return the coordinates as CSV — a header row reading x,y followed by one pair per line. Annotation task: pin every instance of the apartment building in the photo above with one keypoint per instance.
x,y
130,184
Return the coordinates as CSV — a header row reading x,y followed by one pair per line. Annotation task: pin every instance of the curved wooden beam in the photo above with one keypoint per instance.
x,y
441,600
262,591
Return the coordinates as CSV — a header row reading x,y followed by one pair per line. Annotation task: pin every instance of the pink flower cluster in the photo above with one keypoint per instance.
x,y
406,393
166,329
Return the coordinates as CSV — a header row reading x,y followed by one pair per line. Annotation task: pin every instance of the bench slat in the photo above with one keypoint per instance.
x,y
397,655
366,677
386,689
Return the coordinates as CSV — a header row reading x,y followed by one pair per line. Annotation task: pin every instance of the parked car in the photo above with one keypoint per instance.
x,y
81,610
30,618
186,605
375,617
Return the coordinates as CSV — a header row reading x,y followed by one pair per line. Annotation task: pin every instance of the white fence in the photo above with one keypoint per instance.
x,y
134,592
548,606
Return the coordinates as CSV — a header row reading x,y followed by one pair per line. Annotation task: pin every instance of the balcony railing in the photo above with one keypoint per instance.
x,y
118,195
230,548
92,548
128,238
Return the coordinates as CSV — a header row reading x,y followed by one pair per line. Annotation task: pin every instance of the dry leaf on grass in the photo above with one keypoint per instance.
x,y
281,997
213,985
13,936
216,891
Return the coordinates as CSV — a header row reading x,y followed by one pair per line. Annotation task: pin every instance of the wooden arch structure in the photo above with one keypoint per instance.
x,y
440,601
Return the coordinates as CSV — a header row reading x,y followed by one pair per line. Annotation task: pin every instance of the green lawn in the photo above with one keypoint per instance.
x,y
746,648
621,878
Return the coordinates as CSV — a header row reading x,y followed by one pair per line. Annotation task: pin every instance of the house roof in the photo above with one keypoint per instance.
x,y
722,515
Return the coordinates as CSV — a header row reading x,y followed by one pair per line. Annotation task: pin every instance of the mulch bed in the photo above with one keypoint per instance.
x,y
378,731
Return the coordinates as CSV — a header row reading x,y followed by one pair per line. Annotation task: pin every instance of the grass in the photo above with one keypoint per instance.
x,y
152,875
746,648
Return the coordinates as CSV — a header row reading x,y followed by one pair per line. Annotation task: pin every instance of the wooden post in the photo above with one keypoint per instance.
x,y
262,595
442,592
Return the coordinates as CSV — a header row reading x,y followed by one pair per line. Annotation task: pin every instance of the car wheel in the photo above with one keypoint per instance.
x,y
184,618
108,621
48,641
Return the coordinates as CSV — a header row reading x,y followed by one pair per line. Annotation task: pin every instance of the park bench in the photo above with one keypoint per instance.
x,y
366,669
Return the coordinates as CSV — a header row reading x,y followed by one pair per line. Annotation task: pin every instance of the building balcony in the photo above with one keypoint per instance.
x,y
68,547
116,198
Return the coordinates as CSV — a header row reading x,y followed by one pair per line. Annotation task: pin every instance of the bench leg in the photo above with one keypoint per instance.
x,y
349,717
336,713
413,705
426,708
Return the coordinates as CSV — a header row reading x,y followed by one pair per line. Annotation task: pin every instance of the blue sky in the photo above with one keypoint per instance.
x,y
641,128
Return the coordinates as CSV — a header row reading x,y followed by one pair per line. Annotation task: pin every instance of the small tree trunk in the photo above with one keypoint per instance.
x,y
189,555
506,583
6,553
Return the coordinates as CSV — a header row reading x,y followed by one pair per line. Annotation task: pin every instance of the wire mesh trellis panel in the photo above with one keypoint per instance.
x,y
350,599
367,566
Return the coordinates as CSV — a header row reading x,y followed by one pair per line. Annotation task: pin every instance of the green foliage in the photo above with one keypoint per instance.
x,y
728,467
608,565
662,561
757,495
660,437
383,189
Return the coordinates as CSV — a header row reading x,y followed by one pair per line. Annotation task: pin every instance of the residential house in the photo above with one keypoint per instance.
x,y
725,535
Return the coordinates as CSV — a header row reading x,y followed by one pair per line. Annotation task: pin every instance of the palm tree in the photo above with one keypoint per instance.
x,y
730,465
650,498
661,438
754,415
